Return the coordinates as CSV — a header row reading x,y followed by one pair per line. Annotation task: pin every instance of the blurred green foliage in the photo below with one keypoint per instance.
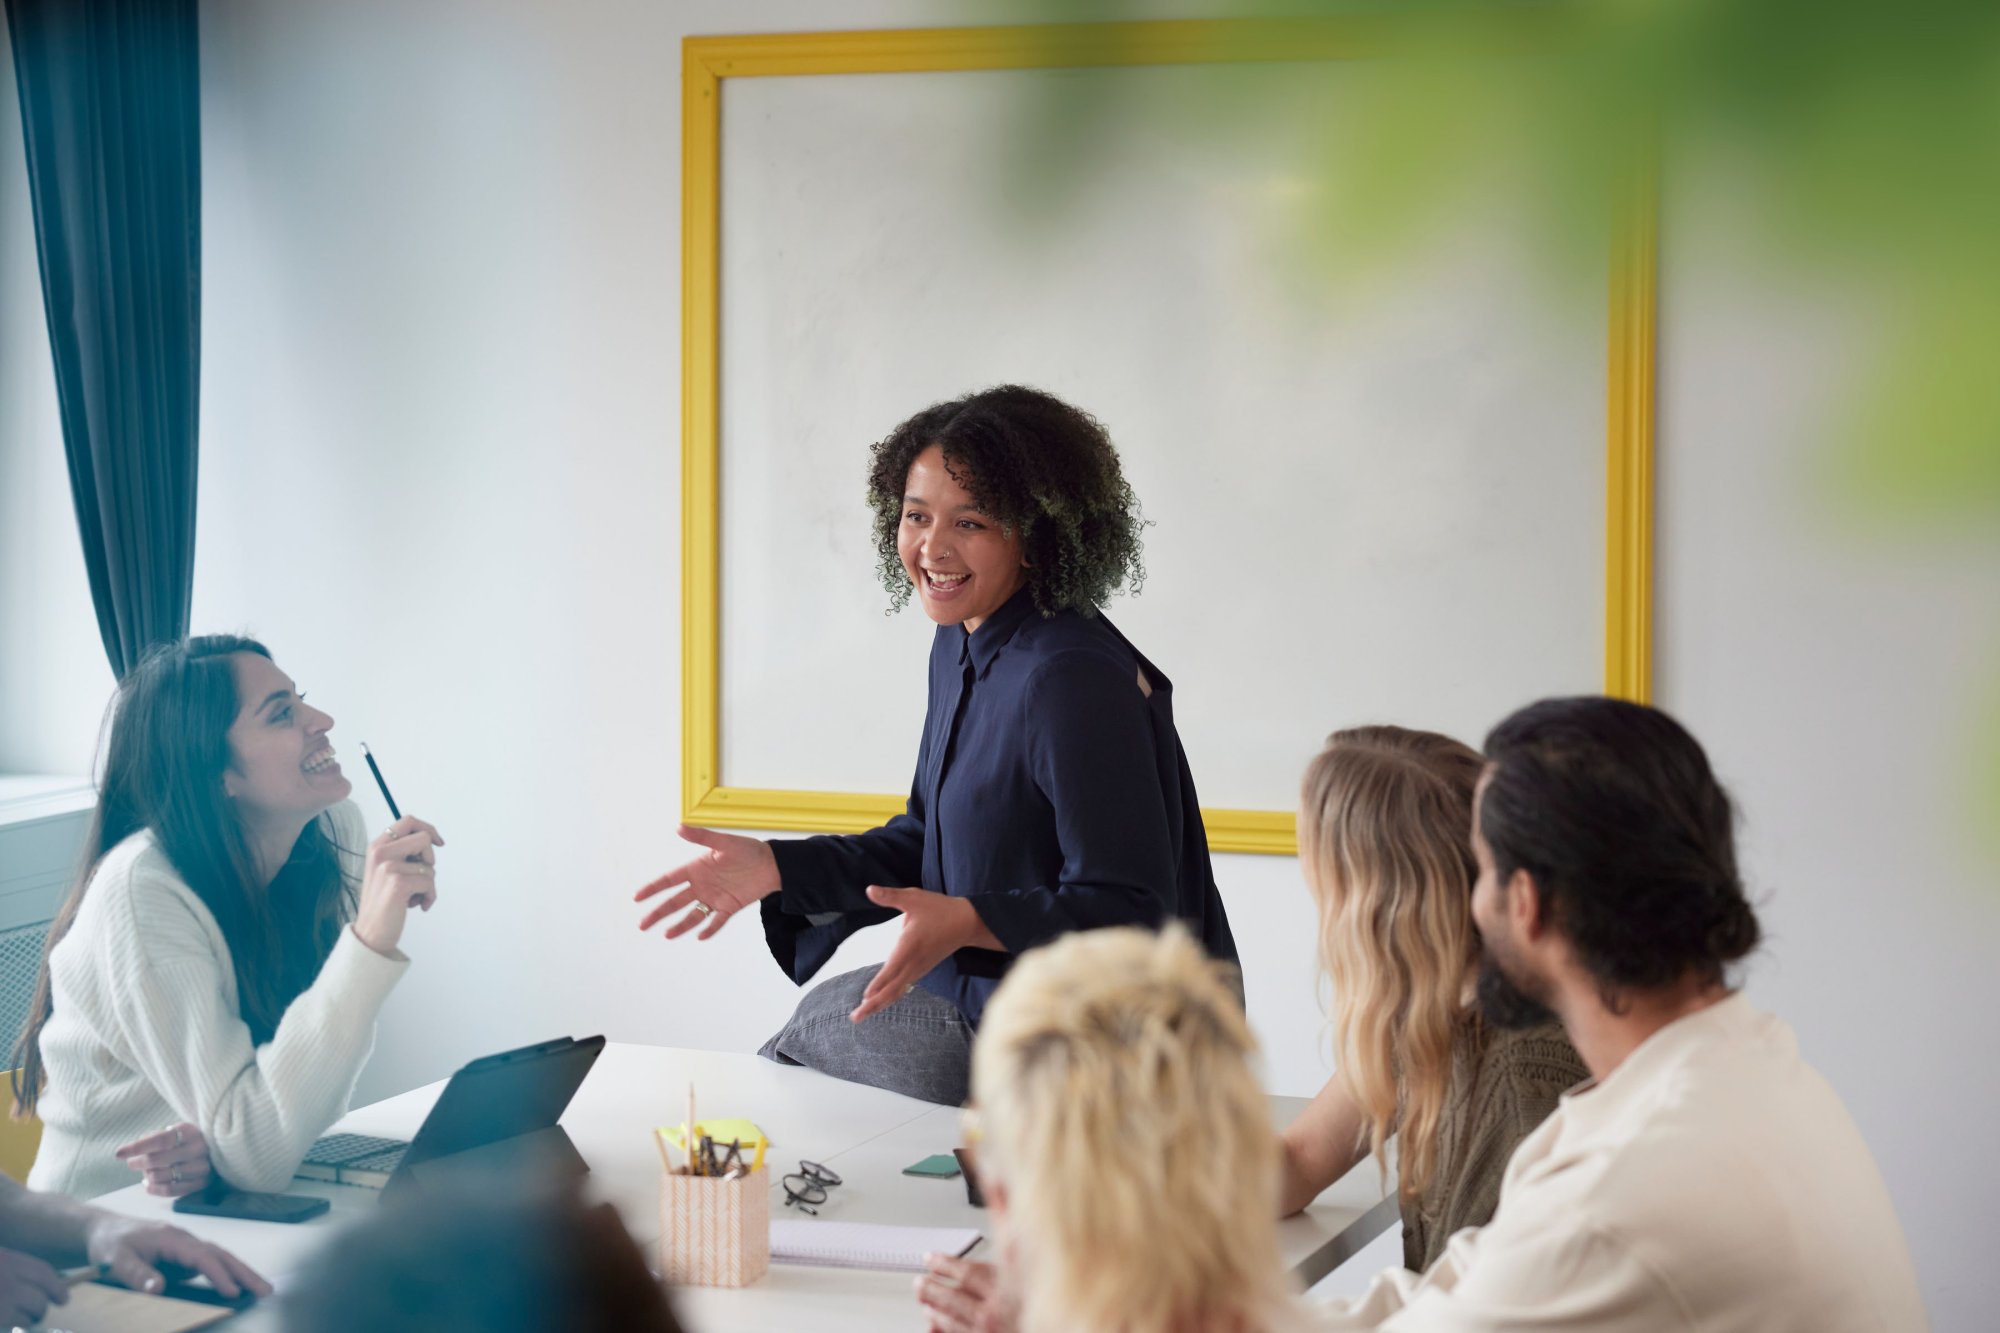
x,y
1862,135
1860,140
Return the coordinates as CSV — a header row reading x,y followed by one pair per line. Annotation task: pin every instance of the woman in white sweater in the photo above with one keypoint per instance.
x,y
210,988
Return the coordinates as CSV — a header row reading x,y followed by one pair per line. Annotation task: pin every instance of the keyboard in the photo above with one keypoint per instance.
x,y
353,1159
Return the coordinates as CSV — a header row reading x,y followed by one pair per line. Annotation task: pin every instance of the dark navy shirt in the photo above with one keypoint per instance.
x,y
1050,790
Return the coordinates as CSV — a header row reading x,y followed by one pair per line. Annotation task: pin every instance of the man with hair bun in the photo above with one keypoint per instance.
x,y
1706,1177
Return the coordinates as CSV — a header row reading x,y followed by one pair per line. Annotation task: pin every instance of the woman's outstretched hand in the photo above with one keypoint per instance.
x,y
731,873
935,926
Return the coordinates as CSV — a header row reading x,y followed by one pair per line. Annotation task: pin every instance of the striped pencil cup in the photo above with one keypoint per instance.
x,y
714,1232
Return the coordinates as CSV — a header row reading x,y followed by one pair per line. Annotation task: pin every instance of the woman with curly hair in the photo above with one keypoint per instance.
x,y
1051,791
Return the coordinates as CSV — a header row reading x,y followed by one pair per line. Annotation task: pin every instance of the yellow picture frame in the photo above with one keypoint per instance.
x,y
707,61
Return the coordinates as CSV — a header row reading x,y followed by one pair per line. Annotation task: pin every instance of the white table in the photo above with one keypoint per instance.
x,y
865,1134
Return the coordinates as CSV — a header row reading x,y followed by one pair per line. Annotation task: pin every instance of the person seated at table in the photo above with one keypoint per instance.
x,y
1051,794
1124,1147
1708,1178
223,957
40,1231
525,1258
1385,826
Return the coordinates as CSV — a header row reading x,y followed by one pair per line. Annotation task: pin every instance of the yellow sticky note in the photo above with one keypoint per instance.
x,y
721,1131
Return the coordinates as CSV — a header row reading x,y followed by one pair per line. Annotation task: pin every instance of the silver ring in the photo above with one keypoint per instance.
x,y
703,908
177,1136
910,989
176,1177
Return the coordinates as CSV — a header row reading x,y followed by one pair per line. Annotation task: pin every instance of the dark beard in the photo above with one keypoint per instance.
x,y
1503,1003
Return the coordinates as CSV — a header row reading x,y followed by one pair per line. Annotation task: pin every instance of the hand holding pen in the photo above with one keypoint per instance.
x,y
401,873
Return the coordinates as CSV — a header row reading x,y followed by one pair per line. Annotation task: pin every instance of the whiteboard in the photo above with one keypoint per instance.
x,y
1380,506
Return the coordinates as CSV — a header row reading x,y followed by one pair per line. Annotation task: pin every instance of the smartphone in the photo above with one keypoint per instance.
x,y
252,1207
973,1194
942,1166
203,1294
198,1292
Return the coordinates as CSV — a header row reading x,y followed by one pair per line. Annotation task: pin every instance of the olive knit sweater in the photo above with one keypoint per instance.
x,y
1503,1084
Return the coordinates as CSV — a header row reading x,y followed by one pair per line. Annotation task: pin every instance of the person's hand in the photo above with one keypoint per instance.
x,y
963,1296
28,1287
731,873
133,1252
401,873
935,926
173,1161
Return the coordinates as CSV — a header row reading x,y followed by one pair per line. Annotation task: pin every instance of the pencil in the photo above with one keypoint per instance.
x,y
660,1141
687,1136
394,813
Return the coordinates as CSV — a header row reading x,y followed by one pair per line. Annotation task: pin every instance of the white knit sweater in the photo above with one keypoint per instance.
x,y
146,1033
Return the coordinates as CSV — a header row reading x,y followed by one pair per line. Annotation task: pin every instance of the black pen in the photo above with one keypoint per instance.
x,y
394,813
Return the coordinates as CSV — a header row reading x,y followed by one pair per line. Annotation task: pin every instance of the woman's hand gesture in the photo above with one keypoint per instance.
x,y
935,926
731,873
173,1161
401,873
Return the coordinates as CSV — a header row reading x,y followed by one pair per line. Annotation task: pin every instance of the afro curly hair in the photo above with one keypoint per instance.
x,y
1042,469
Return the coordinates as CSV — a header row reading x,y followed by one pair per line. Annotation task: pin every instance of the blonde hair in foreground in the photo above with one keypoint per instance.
x,y
1118,1108
1385,829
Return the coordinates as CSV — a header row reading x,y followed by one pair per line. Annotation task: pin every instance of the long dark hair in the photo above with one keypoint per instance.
x,y
162,772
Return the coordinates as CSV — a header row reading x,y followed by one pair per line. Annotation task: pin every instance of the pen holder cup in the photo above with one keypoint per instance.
x,y
715,1232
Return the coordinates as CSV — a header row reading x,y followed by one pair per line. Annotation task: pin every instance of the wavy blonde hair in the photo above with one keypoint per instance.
x,y
1385,828
1118,1107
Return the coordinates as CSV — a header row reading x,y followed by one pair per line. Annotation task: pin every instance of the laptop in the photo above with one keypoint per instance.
x,y
498,1114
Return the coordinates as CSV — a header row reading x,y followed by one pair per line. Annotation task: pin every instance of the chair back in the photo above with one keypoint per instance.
x,y
19,1142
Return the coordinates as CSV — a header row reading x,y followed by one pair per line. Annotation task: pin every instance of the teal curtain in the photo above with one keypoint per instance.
x,y
111,112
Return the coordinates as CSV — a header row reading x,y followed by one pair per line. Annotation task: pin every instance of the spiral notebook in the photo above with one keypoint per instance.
x,y
865,1244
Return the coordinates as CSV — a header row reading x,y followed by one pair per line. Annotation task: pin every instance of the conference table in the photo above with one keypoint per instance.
x,y
865,1134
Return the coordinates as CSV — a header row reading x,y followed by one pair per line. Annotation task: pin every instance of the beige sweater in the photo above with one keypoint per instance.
x,y
1503,1084
1712,1182
145,1033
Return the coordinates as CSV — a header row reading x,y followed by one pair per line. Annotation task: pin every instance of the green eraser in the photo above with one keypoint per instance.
x,y
942,1165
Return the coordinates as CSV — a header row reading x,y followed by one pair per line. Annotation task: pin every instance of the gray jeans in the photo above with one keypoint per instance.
x,y
920,1046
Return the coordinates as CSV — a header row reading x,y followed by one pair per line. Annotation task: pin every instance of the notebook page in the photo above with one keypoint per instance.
x,y
865,1244
97,1308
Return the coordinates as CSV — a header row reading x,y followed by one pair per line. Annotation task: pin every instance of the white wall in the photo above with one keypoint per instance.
x,y
1311,467
1835,670
440,475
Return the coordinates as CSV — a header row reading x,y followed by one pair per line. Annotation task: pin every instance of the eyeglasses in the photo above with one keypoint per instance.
x,y
806,1188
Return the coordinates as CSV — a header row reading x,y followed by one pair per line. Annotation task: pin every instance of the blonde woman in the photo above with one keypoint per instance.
x,y
1123,1148
1385,825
